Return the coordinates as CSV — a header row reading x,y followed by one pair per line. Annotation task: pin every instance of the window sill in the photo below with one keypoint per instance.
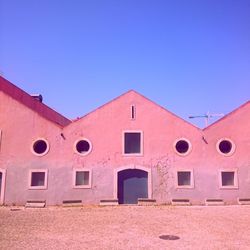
x,y
229,187
38,188
185,187
132,155
82,187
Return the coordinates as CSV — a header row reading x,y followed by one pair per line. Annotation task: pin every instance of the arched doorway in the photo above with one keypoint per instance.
x,y
132,184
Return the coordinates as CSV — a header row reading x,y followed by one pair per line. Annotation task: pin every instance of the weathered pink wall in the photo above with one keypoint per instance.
x,y
236,127
104,128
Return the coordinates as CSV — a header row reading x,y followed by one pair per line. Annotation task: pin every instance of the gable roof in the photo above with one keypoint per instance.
x,y
227,115
142,96
30,102
55,117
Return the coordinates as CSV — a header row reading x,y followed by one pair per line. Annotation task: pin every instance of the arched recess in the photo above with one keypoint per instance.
x,y
132,182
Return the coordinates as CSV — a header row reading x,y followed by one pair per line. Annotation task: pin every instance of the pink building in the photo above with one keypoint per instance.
x,y
127,150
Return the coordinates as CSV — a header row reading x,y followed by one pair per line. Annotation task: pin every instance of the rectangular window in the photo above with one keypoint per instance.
x,y
132,112
185,179
82,178
132,143
228,179
38,179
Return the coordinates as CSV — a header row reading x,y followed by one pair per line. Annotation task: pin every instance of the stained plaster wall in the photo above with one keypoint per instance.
x,y
104,128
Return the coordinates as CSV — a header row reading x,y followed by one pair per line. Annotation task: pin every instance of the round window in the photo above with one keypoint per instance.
x,y
83,146
182,146
40,147
225,147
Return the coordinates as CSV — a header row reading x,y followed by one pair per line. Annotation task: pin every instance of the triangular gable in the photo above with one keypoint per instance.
x,y
30,102
141,96
227,116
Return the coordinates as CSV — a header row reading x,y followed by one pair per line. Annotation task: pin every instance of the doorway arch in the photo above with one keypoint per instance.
x,y
131,183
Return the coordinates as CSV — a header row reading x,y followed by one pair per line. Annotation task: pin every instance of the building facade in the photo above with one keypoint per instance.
x,y
127,149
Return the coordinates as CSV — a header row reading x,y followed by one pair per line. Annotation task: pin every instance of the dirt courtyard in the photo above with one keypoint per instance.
x,y
125,227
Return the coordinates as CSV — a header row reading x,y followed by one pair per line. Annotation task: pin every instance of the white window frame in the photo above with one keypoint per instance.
x,y
83,139
236,183
2,193
45,171
189,146
82,170
191,186
45,152
141,143
232,149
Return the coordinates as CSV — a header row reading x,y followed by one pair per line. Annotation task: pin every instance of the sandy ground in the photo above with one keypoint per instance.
x,y
125,227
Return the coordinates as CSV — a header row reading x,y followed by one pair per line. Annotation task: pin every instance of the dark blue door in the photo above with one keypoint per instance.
x,y
132,184
1,176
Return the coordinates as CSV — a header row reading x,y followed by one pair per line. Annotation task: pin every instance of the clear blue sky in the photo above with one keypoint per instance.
x,y
188,56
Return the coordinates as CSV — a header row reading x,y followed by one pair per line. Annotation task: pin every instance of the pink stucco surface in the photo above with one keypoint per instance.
x,y
22,124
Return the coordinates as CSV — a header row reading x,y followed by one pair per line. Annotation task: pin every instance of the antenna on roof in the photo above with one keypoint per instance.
x,y
207,117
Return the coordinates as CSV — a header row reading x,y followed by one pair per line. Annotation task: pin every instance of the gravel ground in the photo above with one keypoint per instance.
x,y
125,227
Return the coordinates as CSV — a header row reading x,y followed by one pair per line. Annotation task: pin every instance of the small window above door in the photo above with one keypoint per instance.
x,y
132,143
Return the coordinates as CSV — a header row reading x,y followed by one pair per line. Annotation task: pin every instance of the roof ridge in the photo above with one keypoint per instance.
x,y
23,97
227,115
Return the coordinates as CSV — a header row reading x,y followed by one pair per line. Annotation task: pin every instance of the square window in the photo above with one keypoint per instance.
x,y
133,143
185,179
38,179
228,179
82,179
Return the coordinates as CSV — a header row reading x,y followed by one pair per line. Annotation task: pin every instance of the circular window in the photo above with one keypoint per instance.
x,y
182,146
225,147
40,147
83,147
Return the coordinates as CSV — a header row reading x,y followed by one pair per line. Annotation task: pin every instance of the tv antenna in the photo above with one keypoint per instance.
x,y
207,117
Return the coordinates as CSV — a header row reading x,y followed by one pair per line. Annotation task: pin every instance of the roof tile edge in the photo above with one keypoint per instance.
x,y
43,110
